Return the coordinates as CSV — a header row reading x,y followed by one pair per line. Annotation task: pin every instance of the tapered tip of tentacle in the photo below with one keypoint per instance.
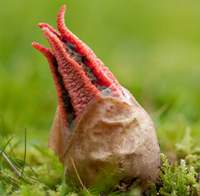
x,y
42,49
41,24
35,44
63,8
45,25
51,37
46,32
61,13
61,19
39,47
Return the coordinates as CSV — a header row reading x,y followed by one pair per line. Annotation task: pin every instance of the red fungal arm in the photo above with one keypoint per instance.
x,y
103,74
75,80
79,76
53,64
45,25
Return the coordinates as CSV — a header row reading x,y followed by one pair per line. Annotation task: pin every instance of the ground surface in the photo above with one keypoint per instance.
x,y
154,50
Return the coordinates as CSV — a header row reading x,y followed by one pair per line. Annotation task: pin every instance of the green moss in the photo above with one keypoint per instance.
x,y
178,179
44,176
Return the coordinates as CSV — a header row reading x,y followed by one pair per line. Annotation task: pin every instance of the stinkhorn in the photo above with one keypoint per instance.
x,y
98,123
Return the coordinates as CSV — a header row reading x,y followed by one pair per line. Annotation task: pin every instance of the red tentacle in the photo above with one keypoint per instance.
x,y
103,74
80,88
53,64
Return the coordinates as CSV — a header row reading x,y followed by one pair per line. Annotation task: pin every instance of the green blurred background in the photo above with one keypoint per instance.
x,y
153,47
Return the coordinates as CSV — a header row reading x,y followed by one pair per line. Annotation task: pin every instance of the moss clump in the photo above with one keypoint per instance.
x,y
42,174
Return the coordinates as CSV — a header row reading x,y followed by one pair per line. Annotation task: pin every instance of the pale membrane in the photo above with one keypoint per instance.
x,y
112,133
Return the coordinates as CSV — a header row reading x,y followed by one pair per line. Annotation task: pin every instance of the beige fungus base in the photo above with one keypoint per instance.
x,y
112,132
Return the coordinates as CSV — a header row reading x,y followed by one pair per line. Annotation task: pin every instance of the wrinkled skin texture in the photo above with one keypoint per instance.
x,y
120,134
98,124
